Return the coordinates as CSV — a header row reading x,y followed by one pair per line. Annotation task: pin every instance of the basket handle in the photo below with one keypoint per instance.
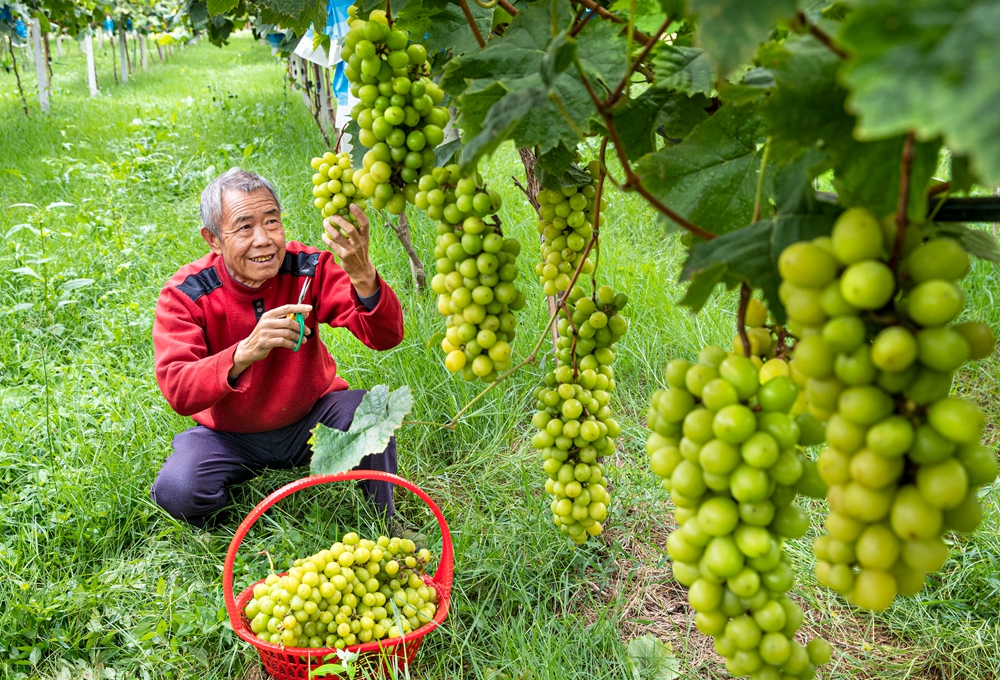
x,y
445,570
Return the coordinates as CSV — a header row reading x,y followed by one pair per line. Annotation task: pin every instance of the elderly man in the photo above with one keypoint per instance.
x,y
225,347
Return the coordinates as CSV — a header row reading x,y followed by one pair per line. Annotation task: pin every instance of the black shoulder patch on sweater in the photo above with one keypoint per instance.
x,y
299,264
202,283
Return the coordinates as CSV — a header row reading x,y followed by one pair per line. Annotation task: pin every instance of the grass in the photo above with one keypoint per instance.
x,y
96,581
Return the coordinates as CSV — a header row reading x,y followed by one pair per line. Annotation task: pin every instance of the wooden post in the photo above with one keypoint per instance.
x,y
40,66
159,50
59,44
123,54
100,38
142,51
88,49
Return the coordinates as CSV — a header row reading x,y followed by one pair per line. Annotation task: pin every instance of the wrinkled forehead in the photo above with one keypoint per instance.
x,y
239,206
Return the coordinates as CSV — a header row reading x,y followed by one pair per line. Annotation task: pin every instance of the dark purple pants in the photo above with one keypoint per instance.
x,y
193,482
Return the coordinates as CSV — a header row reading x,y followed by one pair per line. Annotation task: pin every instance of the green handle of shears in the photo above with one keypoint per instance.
x,y
302,331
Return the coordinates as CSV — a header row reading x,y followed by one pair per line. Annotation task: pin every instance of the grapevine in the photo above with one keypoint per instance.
x,y
876,357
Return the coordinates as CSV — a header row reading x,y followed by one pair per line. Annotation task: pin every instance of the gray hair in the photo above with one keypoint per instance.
x,y
233,179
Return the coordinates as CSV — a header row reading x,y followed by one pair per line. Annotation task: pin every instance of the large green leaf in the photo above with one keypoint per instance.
x,y
930,66
221,6
806,111
444,24
730,30
650,659
685,69
711,177
751,254
639,119
501,94
377,418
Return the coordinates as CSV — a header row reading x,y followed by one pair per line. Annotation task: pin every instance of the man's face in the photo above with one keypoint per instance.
x,y
253,238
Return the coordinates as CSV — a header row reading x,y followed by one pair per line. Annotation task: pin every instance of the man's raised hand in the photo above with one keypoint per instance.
x,y
350,243
273,330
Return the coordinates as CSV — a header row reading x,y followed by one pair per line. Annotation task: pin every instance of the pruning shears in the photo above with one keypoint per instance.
x,y
299,317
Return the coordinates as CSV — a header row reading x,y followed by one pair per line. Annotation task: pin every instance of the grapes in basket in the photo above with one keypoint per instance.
x,y
356,591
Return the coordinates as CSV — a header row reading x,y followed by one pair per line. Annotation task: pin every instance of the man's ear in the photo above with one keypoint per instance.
x,y
213,241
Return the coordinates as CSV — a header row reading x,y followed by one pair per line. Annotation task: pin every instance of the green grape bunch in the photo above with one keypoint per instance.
x,y
566,223
876,355
476,271
357,591
398,113
333,186
726,448
573,416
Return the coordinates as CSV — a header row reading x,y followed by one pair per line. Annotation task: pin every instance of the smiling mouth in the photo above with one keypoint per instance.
x,y
263,259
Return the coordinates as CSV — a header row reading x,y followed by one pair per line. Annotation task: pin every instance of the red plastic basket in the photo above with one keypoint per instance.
x,y
294,663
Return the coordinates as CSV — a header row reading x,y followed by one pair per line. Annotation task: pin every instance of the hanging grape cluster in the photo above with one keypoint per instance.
x,y
876,356
475,275
725,447
333,186
566,223
357,591
398,113
573,417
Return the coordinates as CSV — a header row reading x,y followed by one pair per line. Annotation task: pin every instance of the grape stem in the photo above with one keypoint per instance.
x,y
507,7
820,35
580,23
632,181
388,13
472,23
906,165
741,318
613,99
605,14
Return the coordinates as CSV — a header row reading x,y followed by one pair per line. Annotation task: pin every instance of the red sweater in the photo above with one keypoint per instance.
x,y
203,313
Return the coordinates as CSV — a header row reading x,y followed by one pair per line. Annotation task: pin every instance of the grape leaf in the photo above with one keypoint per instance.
x,y
731,30
289,8
573,176
530,112
674,116
444,153
221,6
806,110
558,57
377,418
930,67
650,659
751,254
649,14
711,177
685,69
756,83
556,161
357,150
444,24
974,241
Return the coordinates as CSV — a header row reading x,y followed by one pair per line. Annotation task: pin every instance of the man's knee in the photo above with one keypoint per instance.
x,y
183,489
